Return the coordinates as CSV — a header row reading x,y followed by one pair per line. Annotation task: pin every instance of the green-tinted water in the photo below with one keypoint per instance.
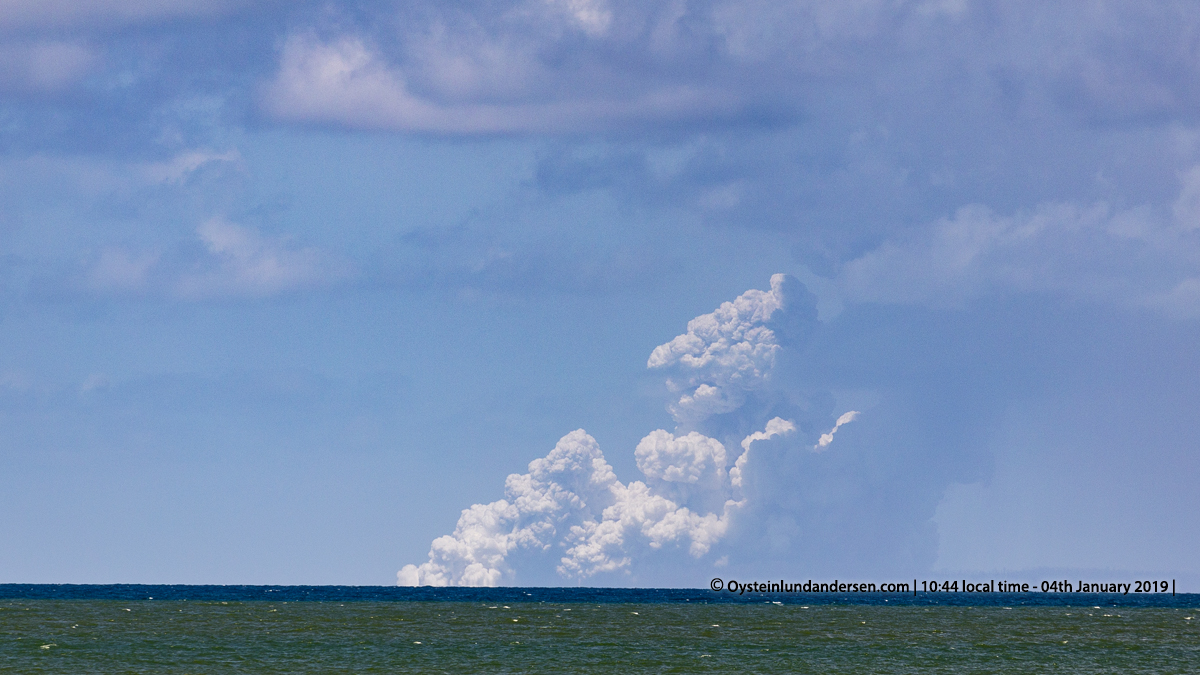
x,y
90,636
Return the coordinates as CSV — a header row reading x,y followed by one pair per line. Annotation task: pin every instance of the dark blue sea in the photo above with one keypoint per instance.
x,y
201,593
356,629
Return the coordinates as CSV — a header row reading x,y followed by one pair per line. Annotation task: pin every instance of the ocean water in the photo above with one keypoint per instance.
x,y
212,629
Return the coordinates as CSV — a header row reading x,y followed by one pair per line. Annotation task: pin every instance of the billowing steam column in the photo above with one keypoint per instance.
x,y
571,514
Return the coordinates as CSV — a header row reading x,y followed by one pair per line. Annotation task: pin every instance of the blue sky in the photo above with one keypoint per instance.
x,y
285,287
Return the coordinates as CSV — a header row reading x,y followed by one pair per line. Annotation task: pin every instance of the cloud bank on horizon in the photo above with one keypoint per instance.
x,y
572,511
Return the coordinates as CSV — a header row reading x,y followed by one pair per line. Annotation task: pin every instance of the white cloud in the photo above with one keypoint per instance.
x,y
1181,301
570,485
346,82
775,427
44,67
827,438
688,469
242,262
723,356
1133,257
237,261
119,270
179,167
962,255
479,68
94,382
570,506
592,16
639,516
72,13
100,177
686,459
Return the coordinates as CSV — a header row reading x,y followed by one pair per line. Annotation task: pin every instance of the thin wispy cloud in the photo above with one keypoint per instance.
x,y
57,14
349,84
44,67
234,261
1137,257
